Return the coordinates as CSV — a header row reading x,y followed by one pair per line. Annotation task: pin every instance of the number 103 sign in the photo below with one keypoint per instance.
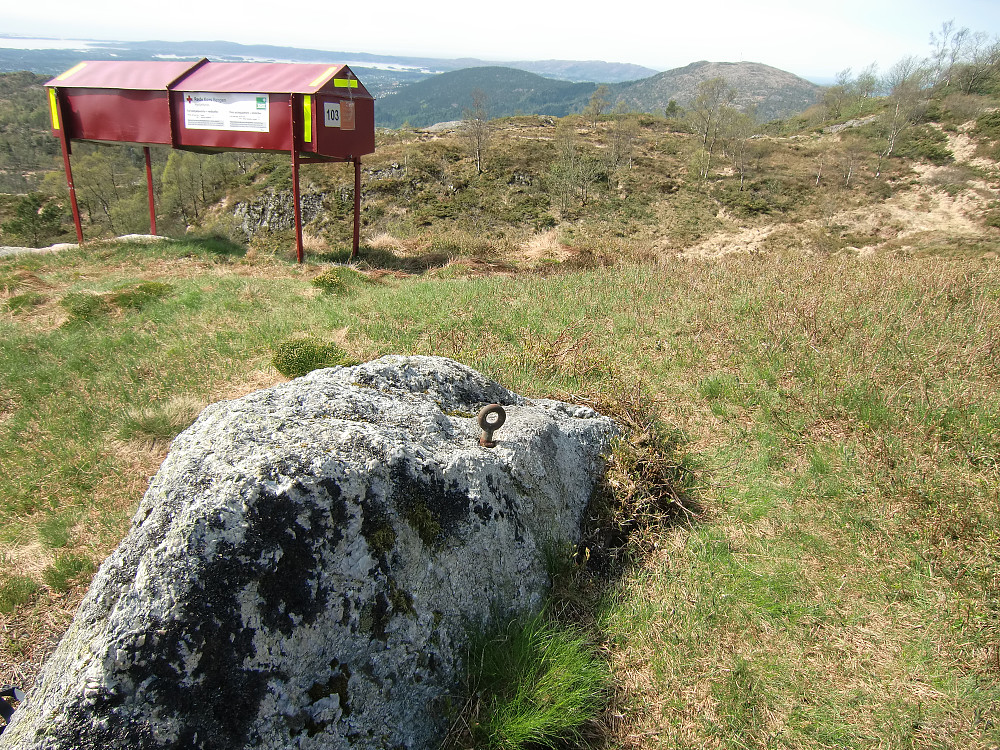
x,y
339,115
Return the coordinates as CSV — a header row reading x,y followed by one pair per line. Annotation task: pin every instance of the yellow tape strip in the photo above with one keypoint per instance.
x,y
326,74
54,109
345,83
307,112
71,71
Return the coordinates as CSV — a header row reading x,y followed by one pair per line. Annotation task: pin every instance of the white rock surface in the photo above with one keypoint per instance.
x,y
302,569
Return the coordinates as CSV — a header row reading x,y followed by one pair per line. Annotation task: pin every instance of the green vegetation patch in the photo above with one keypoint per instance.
x,y
67,569
988,125
138,296
537,684
927,144
301,356
159,422
16,590
24,302
92,307
85,307
340,280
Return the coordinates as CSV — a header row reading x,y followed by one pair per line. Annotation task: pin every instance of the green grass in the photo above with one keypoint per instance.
x,y
15,591
830,573
536,683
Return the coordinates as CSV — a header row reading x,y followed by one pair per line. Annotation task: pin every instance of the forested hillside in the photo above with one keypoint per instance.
x,y
765,92
445,97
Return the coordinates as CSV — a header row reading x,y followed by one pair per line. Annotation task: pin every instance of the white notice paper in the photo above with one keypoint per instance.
x,y
222,111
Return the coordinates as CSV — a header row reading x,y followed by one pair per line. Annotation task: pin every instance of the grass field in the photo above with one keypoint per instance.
x,y
835,581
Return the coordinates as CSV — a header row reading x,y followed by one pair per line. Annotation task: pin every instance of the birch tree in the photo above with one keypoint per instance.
x,y
477,128
906,103
706,112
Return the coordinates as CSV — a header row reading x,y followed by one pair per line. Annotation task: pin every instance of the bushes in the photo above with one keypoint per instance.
x,y
988,126
925,143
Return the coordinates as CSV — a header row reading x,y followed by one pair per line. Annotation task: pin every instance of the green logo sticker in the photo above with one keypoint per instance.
x,y
261,102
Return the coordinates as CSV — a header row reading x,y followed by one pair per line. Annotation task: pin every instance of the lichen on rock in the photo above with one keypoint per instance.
x,y
303,569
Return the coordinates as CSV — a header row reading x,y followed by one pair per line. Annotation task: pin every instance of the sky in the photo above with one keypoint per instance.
x,y
812,39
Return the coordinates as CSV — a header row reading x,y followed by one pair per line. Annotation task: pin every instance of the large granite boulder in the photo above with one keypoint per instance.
x,y
305,567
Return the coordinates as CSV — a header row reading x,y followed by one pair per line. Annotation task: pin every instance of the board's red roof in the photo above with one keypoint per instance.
x,y
123,74
266,78
201,75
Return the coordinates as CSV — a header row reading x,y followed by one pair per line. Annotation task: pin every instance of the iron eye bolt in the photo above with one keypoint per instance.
x,y
491,419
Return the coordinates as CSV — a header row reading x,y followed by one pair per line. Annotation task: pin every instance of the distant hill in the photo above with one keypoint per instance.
x,y
589,70
444,97
772,92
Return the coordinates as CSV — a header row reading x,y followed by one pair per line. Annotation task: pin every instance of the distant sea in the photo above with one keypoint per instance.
x,y
18,42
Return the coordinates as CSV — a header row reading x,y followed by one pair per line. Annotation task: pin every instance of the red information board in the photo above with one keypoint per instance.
x,y
315,112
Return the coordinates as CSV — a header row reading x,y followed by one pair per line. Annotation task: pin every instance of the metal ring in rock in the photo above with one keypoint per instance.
x,y
491,418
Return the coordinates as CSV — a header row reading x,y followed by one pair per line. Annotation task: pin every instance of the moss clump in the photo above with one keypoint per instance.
x,y
422,520
140,295
383,539
401,601
21,302
84,307
340,280
298,357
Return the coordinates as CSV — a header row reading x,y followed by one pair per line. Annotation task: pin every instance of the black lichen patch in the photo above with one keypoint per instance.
x,y
433,506
340,676
337,685
215,704
339,516
288,584
215,700
377,530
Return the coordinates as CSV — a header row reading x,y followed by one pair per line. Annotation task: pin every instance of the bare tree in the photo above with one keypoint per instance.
x,y
477,128
706,112
980,63
940,45
949,47
738,130
835,97
574,171
865,85
906,103
851,153
621,138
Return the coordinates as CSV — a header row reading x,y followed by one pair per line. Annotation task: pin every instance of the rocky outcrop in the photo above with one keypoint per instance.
x,y
305,566
275,211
